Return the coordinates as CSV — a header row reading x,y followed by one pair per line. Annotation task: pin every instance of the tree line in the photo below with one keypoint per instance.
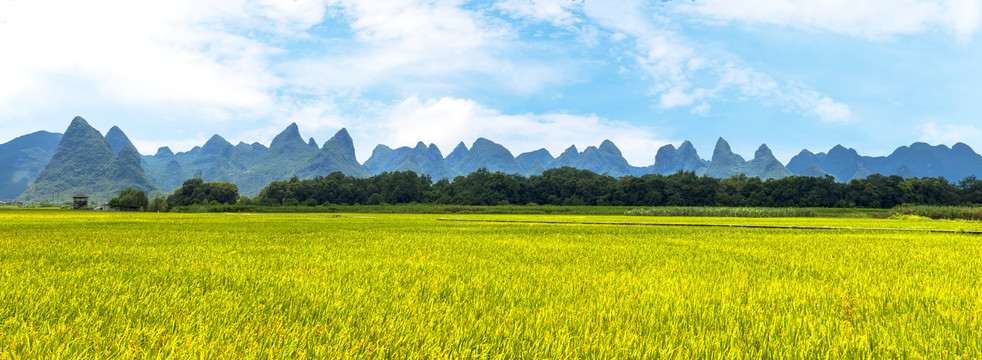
x,y
570,186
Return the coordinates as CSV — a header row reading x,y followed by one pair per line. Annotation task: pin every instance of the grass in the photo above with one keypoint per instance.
x,y
106,285
411,209
756,212
723,211
544,210
973,213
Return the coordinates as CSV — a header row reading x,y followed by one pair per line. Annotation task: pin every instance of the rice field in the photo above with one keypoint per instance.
x,y
145,285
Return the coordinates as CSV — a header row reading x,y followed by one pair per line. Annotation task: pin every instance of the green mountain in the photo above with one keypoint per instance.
x,y
22,159
217,160
605,159
338,154
725,163
165,170
489,155
84,163
456,155
917,160
569,157
669,160
765,165
844,163
117,139
535,162
288,154
427,159
812,170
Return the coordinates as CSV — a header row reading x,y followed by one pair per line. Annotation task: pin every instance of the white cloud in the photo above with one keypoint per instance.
x,y
411,45
447,121
872,19
557,12
827,109
934,133
683,76
182,53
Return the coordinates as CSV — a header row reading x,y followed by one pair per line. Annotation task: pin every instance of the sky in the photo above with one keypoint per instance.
x,y
795,74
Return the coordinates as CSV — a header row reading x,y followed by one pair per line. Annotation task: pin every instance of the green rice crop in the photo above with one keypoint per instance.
x,y
146,285
709,211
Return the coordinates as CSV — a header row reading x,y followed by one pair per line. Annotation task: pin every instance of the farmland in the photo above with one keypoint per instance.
x,y
98,285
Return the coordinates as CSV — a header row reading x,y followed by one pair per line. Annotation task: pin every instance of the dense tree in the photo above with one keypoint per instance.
x,y
196,191
130,199
159,204
569,186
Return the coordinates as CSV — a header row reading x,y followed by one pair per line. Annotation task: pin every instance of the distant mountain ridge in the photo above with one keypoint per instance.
x,y
917,160
22,159
52,166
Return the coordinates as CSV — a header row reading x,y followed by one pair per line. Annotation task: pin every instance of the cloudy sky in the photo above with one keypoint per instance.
x,y
868,74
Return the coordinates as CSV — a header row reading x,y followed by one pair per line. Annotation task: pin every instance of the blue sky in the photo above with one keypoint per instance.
x,y
794,74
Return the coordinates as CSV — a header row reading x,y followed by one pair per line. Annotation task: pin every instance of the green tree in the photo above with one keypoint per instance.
x,y
196,191
159,204
130,199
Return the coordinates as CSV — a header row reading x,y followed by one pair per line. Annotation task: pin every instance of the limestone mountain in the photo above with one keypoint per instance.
x,y
118,139
764,165
288,154
84,162
805,159
22,159
605,159
535,162
567,158
917,160
456,155
253,166
489,155
725,163
164,169
812,170
669,160
844,163
217,159
427,159
338,154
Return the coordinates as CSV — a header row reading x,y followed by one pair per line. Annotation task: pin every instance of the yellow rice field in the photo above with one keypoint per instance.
x,y
145,285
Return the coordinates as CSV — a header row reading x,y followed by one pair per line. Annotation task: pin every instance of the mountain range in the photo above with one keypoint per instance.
x,y
52,166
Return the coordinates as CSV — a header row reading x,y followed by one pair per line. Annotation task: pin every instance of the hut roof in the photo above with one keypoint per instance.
x,y
80,196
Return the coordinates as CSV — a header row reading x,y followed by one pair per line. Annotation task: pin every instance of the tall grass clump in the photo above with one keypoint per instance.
x,y
749,212
973,213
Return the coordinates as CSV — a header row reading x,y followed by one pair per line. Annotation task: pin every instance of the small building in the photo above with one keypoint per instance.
x,y
80,201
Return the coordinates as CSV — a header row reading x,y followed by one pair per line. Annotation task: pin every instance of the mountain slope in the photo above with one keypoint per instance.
x,y
338,154
118,139
288,154
534,162
428,159
22,159
764,165
84,162
917,160
669,160
489,155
